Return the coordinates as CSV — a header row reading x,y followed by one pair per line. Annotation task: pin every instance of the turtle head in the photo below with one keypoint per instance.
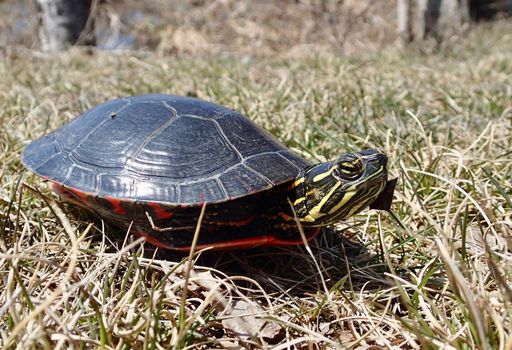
x,y
329,192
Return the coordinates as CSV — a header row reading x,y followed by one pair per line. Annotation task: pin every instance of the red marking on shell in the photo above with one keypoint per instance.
x,y
160,212
245,243
152,240
285,216
116,204
58,188
310,234
70,194
248,187
85,199
79,194
238,223
253,242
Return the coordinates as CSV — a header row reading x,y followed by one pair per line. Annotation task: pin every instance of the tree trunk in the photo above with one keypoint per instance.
x,y
432,16
65,23
464,11
405,21
440,19
489,9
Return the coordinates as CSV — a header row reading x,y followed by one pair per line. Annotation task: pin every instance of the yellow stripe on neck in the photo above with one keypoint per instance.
x,y
298,182
299,200
315,212
343,201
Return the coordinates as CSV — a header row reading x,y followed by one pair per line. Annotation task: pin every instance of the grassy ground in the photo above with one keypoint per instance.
x,y
435,273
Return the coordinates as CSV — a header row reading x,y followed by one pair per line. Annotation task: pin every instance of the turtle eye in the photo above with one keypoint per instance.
x,y
350,168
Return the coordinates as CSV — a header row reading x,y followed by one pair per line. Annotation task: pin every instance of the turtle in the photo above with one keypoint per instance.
x,y
149,163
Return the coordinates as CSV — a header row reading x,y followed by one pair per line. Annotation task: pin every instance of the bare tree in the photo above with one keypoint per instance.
x,y
434,18
489,9
66,22
405,23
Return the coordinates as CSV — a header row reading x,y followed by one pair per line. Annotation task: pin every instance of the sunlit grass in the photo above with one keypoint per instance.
x,y
435,273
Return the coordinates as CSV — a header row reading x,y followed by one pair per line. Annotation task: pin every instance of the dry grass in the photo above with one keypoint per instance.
x,y
258,28
436,273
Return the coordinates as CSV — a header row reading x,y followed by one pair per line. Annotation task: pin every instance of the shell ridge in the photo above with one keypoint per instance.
x,y
82,162
226,139
254,171
56,155
158,130
46,161
59,146
289,161
178,193
202,178
168,106
222,187
212,118
261,154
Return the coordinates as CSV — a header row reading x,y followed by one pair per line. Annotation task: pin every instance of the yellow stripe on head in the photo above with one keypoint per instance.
x,y
332,191
323,175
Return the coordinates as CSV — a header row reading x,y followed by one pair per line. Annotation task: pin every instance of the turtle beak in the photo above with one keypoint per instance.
x,y
379,160
376,171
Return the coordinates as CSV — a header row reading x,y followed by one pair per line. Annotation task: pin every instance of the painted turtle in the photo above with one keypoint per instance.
x,y
151,162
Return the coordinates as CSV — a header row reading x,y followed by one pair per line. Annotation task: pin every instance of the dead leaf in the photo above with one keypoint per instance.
x,y
246,319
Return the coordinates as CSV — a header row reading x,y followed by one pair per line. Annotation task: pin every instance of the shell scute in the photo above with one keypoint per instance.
x,y
200,192
272,166
114,141
56,168
110,183
246,137
77,129
83,175
239,181
188,148
148,191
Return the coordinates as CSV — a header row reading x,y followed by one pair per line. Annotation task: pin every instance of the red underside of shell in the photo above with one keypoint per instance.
x,y
87,200
246,243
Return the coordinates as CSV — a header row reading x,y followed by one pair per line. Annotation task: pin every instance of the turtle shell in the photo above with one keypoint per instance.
x,y
148,164
165,149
